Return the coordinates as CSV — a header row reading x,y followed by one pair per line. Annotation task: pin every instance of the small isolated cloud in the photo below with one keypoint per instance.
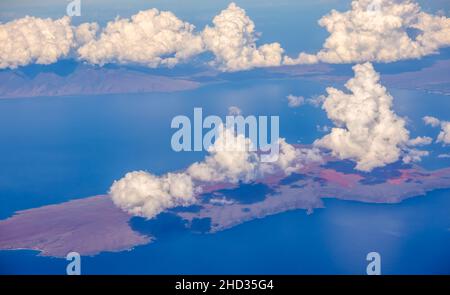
x,y
34,40
295,101
290,159
367,129
143,194
381,31
150,38
316,101
232,39
234,111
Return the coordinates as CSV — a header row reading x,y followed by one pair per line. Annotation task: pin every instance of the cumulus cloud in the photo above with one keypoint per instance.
x,y
444,135
432,121
234,111
295,101
373,30
414,155
34,40
290,159
420,140
232,39
367,129
379,30
142,194
316,101
322,128
150,37
221,201
231,159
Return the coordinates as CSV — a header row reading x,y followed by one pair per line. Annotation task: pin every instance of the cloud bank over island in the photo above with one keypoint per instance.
x,y
373,30
150,38
230,160
366,131
142,194
232,40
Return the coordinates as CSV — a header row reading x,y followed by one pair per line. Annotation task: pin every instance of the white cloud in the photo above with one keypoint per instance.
x,y
379,30
290,159
150,37
234,111
34,40
367,129
142,194
420,140
432,121
232,39
302,58
221,201
322,128
295,101
393,31
230,160
85,33
413,155
316,101
444,135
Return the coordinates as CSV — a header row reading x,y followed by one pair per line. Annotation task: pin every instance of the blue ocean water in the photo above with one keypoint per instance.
x,y
412,238
56,149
